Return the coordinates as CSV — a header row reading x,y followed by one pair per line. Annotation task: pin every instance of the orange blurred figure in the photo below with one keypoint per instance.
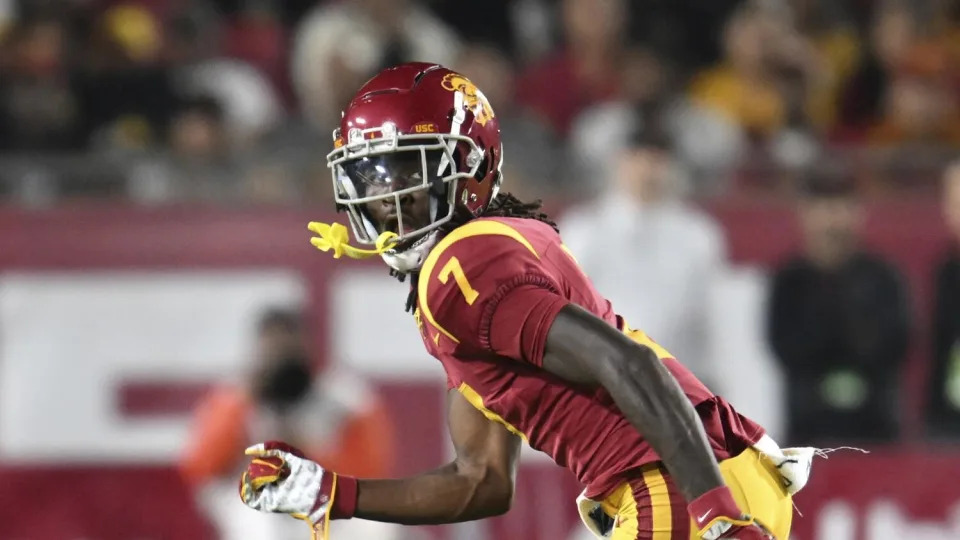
x,y
332,415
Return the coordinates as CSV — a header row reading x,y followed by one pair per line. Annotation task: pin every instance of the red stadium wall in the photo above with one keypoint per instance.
x,y
850,495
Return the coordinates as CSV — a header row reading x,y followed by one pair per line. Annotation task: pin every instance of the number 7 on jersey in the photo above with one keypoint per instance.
x,y
453,267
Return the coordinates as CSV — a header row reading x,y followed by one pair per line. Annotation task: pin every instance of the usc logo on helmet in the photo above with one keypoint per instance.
x,y
473,97
425,127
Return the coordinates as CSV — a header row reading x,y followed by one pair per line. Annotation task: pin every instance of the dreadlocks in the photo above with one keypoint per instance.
x,y
504,205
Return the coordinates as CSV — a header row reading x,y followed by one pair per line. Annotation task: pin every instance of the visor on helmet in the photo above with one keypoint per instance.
x,y
391,173
389,177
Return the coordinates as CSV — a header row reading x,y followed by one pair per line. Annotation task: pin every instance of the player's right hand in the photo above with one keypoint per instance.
x,y
717,517
281,479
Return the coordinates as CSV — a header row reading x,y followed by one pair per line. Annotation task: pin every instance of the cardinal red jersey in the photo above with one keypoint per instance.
x,y
487,295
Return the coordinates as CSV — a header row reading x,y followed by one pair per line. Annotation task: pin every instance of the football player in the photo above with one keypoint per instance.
x,y
531,351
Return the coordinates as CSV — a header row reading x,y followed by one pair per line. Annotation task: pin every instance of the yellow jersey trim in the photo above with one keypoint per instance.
x,y
470,229
569,253
642,338
474,398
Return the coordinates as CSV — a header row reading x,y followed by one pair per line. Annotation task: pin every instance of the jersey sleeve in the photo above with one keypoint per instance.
x,y
490,292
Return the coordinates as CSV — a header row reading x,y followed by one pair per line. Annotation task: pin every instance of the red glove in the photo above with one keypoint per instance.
x,y
281,479
717,517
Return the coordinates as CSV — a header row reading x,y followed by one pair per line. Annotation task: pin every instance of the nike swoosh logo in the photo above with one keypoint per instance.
x,y
704,516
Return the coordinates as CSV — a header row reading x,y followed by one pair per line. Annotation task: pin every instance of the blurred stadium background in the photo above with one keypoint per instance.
x,y
764,186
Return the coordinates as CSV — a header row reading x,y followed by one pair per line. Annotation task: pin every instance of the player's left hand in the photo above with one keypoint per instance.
x,y
281,479
718,517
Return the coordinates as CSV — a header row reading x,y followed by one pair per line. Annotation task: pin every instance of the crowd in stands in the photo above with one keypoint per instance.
x,y
232,101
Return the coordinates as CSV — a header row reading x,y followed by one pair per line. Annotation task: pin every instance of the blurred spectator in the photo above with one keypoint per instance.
x,y
655,256
830,29
755,86
742,88
38,109
533,29
203,163
198,164
603,131
125,91
943,409
918,110
492,24
586,70
198,131
250,103
839,324
891,34
257,37
340,45
687,31
332,416
534,164
920,103
755,100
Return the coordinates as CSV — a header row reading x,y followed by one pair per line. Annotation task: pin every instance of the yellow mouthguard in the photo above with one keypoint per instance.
x,y
333,236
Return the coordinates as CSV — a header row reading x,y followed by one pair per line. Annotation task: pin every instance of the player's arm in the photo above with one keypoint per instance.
x,y
477,484
585,349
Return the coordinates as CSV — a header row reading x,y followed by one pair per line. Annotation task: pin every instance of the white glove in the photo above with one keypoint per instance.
x,y
281,479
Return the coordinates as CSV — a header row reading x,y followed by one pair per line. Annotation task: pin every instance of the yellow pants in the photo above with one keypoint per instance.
x,y
649,507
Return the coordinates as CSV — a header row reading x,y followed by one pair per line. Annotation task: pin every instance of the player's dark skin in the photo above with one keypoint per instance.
x,y
581,348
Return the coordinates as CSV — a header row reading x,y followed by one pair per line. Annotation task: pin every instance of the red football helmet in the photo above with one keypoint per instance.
x,y
413,127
